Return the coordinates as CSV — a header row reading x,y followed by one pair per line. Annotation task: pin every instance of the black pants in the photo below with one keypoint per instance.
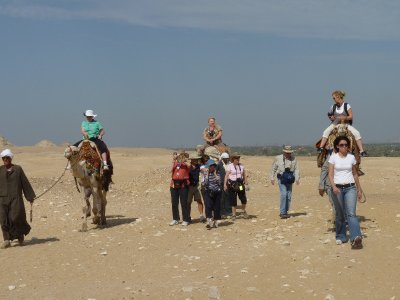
x,y
234,195
213,205
99,143
182,195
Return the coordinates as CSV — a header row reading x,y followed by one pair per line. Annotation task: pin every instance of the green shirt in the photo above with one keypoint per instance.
x,y
92,128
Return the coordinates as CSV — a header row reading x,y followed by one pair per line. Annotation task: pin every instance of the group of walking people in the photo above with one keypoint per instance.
x,y
217,184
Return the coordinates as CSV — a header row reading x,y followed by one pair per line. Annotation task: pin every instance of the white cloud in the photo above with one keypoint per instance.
x,y
337,19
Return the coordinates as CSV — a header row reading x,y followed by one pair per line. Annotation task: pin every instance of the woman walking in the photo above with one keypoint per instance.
x,y
212,194
346,190
235,184
12,210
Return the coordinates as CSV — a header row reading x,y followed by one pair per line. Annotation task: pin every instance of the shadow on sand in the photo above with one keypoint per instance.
x,y
293,215
117,220
38,241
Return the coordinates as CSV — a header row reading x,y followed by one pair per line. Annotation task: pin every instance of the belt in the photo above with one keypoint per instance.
x,y
343,186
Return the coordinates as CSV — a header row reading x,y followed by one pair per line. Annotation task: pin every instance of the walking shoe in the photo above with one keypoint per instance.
x,y
215,224
173,222
245,215
364,154
209,223
21,240
185,223
203,219
284,216
339,242
357,243
5,244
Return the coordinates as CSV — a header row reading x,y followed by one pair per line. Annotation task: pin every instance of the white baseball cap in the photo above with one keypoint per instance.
x,y
224,155
89,113
6,152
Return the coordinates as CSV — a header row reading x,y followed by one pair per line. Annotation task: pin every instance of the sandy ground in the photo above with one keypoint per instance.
x,y
138,256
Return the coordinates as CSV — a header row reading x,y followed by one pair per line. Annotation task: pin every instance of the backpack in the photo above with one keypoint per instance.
x,y
180,174
345,110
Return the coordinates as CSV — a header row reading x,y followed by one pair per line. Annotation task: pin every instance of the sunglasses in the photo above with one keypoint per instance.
x,y
343,145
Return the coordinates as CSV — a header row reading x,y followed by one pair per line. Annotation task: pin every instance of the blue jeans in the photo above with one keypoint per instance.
x,y
345,205
286,197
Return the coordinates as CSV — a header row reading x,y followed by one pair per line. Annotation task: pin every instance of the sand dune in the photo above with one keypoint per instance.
x,y
138,256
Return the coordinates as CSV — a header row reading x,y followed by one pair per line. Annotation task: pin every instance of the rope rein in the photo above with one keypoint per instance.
x,y
59,178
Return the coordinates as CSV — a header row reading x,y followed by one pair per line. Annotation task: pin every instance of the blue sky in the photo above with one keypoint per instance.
x,y
155,70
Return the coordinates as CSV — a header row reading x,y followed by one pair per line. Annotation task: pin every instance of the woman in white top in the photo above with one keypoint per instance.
x,y
346,189
235,184
341,111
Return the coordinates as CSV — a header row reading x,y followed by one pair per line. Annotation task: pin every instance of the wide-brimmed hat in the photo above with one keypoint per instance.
x,y
194,155
210,163
287,149
6,153
89,113
235,155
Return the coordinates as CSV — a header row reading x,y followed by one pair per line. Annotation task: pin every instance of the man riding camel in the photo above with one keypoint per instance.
x,y
341,112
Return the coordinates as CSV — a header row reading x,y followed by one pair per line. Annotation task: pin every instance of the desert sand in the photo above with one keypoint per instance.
x,y
138,256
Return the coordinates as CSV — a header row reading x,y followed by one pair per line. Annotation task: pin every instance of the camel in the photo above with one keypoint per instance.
x,y
85,162
340,130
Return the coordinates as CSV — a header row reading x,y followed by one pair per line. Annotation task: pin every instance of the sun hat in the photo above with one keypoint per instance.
x,y
224,155
6,153
211,162
194,155
287,149
89,113
235,155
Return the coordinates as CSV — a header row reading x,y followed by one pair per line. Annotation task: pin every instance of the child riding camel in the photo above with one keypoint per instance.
x,y
341,112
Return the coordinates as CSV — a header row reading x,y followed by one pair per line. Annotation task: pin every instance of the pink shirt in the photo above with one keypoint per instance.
x,y
237,173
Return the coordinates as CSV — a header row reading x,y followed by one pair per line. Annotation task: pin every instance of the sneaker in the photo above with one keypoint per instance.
x,y
284,216
21,240
357,243
173,222
339,242
5,244
364,154
209,223
185,223
215,224
203,219
245,215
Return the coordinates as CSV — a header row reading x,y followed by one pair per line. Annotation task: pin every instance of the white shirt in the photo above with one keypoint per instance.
x,y
343,168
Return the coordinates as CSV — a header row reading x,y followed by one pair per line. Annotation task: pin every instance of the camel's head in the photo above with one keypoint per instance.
x,y
70,151
342,129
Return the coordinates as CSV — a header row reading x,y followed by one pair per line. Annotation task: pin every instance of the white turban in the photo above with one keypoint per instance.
x,y
6,152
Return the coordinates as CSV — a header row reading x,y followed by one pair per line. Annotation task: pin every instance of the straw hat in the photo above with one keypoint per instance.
x,y
194,155
287,149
